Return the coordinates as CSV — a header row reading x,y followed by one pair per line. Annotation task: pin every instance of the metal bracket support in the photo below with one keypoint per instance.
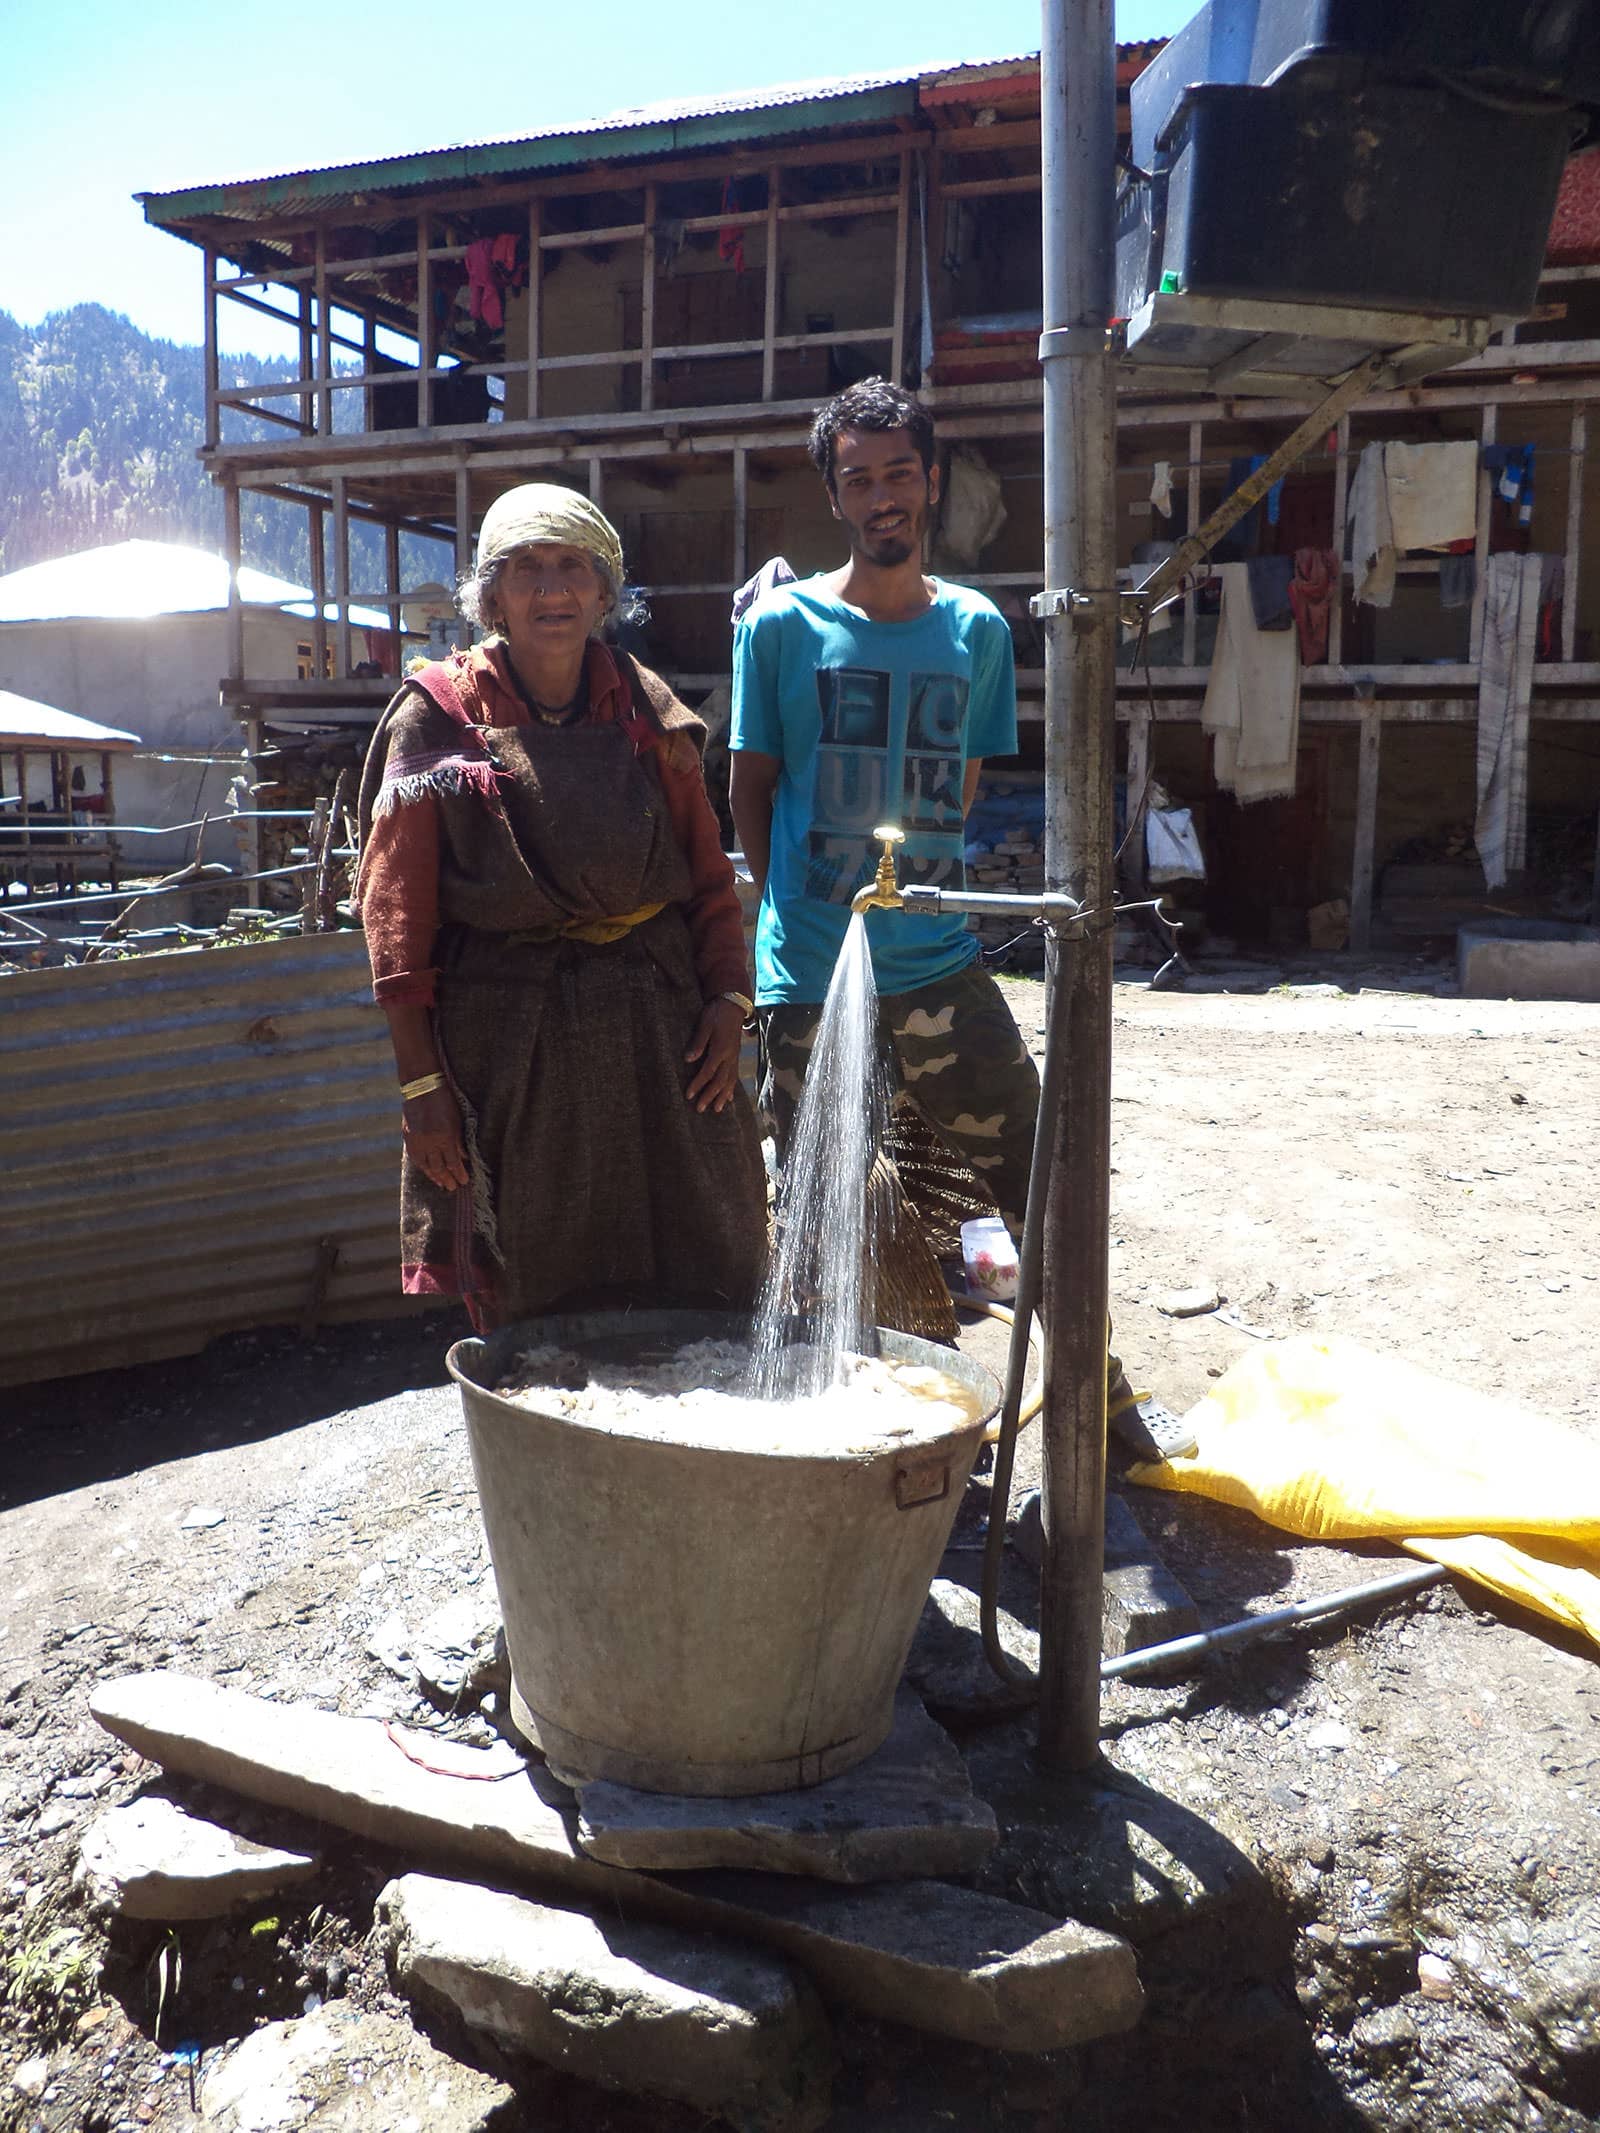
x,y
1069,601
1072,341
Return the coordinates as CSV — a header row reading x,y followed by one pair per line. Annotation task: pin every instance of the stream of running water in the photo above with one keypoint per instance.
x,y
817,1289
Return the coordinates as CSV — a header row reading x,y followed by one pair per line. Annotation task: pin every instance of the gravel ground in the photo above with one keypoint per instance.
x,y
1360,1864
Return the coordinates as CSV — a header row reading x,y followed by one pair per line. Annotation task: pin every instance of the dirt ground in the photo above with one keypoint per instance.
x,y
1283,1837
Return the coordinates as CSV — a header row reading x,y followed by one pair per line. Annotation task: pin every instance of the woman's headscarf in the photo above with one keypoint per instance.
x,y
544,511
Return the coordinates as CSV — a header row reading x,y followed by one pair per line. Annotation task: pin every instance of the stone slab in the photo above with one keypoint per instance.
x,y
906,1810
1142,1603
338,2071
951,1960
642,2008
1528,959
947,1666
151,1859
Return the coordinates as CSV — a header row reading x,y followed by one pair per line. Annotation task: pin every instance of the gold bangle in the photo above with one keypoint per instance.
x,y
746,1006
424,1085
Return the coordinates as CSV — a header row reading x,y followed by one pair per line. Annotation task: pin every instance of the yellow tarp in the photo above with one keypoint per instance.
x,y
1325,1439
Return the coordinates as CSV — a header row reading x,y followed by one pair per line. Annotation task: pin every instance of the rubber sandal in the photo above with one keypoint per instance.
x,y
1149,1430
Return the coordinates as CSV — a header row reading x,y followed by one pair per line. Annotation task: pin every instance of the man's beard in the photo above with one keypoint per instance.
x,y
889,549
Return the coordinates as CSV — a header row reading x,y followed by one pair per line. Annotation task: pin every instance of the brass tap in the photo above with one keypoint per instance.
x,y
883,892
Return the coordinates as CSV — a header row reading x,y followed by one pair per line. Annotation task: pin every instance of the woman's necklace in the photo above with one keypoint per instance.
x,y
566,714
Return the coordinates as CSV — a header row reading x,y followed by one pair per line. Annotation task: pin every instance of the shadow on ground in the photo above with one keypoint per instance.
x,y
73,1432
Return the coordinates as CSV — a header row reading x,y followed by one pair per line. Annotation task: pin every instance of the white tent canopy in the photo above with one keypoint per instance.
x,y
24,722
130,581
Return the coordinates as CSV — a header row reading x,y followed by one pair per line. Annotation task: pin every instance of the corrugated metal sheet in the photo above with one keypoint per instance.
x,y
639,130
177,1134
646,130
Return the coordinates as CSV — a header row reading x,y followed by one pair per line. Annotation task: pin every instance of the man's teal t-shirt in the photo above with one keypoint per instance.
x,y
873,722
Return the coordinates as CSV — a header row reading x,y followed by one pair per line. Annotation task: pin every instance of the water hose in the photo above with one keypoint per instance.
x,y
1033,1405
1030,1260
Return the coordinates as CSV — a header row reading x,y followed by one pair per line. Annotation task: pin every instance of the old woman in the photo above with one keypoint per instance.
x,y
557,943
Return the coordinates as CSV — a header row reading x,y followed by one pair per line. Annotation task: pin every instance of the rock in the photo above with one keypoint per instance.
x,y
1332,1733
343,2072
32,2077
390,1645
638,2007
150,1859
1188,1303
1561,1987
951,1960
1388,2032
906,1810
1435,1978
454,1651
1142,1603
947,1666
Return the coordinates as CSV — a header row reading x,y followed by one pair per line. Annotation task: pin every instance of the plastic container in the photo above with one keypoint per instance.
x,y
1389,198
704,1619
1538,47
989,1258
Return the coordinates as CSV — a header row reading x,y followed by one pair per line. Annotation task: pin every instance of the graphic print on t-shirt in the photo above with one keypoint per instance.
x,y
868,719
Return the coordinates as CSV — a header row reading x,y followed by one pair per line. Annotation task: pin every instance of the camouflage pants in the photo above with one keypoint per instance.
x,y
960,1059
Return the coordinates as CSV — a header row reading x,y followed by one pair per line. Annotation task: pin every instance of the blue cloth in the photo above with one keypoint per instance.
x,y
1512,466
873,722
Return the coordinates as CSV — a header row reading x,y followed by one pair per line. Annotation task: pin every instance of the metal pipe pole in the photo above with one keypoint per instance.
x,y
1078,100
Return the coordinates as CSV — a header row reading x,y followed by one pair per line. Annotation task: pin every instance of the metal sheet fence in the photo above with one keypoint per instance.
x,y
192,1144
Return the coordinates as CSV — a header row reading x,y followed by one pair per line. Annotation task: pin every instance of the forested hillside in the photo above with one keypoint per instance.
x,y
99,427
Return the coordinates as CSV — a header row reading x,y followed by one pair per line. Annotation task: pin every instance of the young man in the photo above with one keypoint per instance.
x,y
870,694
873,694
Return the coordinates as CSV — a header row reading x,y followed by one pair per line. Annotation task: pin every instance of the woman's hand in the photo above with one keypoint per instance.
x,y
434,1141
715,1044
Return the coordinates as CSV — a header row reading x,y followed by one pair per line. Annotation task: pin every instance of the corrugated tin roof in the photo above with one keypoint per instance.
x,y
192,1144
21,719
130,581
634,130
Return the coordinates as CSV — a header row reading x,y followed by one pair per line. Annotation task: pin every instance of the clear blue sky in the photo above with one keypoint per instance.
x,y
107,100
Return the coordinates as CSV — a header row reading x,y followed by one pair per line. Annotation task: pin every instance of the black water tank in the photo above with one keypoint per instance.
x,y
1418,199
1500,48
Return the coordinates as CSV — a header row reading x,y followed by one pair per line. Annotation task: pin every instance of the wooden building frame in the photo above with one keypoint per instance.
x,y
894,154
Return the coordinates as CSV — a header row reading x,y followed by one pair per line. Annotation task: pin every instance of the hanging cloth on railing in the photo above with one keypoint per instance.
x,y
1505,692
496,268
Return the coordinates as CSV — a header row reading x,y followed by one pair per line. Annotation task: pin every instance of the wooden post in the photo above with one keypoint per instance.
x,y
307,405
1486,435
324,339
319,591
1366,828
254,741
213,411
108,799
1579,440
232,545
369,362
341,576
26,839
902,252
1341,503
647,305
424,321
535,295
391,573
741,515
1191,493
1137,789
463,519
769,318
